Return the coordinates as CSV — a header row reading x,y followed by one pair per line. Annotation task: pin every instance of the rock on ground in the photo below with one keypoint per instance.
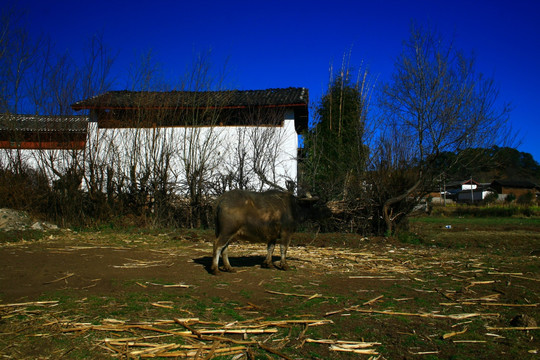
x,y
20,220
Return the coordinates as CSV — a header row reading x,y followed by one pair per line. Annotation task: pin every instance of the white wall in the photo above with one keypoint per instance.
x,y
214,149
478,195
44,161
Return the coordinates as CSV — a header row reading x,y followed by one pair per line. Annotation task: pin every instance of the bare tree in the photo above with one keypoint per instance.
x,y
237,173
159,145
18,55
124,158
198,145
258,159
36,79
271,156
171,139
436,101
142,156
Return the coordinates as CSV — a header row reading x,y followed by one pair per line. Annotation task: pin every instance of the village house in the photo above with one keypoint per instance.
x,y
473,191
246,139
28,132
464,191
515,187
49,145
470,191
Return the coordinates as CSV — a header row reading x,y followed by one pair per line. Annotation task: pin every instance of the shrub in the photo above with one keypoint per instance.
x,y
26,190
525,199
491,198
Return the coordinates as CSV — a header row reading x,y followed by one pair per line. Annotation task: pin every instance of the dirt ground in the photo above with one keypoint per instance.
x,y
83,263
410,301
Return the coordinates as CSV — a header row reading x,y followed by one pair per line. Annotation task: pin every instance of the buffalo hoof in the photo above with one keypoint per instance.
x,y
215,271
284,267
229,269
268,265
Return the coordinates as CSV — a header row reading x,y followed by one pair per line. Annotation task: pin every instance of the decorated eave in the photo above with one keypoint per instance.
x,y
43,132
116,101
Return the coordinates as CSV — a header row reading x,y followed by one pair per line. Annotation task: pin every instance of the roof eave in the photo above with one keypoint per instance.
x,y
161,107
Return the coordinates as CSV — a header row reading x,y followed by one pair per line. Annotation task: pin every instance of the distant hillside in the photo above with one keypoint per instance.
x,y
486,165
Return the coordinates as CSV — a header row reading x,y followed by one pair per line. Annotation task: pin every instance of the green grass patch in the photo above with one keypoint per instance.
x,y
512,221
489,211
407,237
11,236
246,293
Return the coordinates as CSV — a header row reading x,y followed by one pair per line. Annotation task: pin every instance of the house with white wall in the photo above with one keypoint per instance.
x,y
516,187
465,191
228,139
46,144
246,139
42,132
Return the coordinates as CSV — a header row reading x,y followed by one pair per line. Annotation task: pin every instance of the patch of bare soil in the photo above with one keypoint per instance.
x,y
98,295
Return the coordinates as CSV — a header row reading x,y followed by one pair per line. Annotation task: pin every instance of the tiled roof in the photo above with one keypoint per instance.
x,y
525,184
43,132
40,123
190,99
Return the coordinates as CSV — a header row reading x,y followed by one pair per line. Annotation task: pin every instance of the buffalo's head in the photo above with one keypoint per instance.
x,y
312,209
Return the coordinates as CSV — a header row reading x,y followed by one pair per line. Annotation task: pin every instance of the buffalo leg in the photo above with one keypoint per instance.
x,y
225,255
285,241
268,261
219,244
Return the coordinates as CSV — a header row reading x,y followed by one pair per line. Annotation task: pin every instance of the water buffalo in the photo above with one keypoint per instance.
x,y
266,217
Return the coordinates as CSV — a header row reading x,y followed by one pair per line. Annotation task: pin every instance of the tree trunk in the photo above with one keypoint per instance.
x,y
388,203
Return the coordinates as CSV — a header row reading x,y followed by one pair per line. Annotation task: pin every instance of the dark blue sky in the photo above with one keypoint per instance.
x,y
267,44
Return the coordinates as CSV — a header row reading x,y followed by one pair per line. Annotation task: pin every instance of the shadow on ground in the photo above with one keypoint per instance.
x,y
236,261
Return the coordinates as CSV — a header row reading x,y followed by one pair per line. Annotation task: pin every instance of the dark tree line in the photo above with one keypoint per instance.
x,y
494,163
